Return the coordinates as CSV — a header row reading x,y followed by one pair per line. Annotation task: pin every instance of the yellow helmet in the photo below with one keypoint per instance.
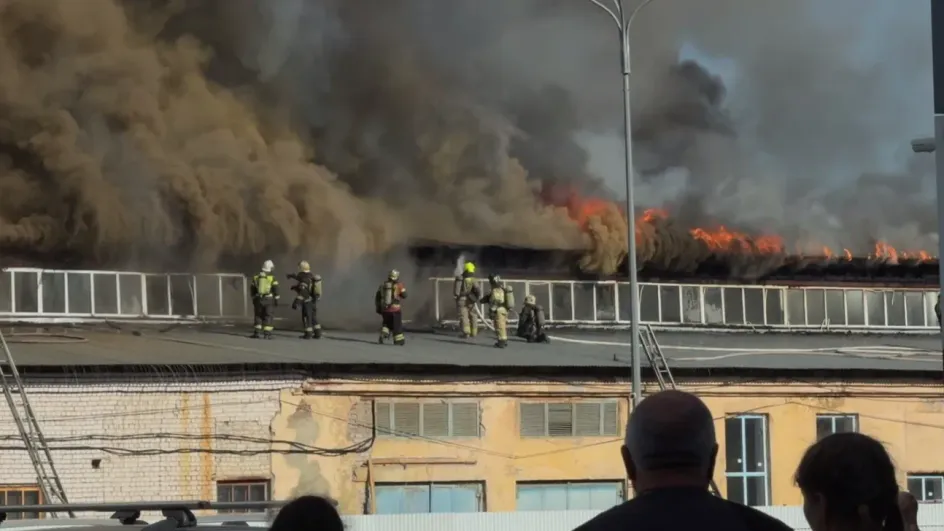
x,y
394,274
469,267
304,266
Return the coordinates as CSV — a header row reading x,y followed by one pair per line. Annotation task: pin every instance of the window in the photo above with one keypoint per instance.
x,y
428,419
565,419
410,498
927,487
595,495
242,491
830,424
20,496
746,449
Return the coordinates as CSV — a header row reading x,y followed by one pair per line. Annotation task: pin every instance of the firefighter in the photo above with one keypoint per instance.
x,y
308,292
467,294
500,299
265,296
387,300
531,321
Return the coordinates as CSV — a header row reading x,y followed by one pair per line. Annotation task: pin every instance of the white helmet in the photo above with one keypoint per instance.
x,y
267,266
304,266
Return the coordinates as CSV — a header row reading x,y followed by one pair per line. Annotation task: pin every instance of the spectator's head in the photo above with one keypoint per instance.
x,y
670,441
848,482
308,513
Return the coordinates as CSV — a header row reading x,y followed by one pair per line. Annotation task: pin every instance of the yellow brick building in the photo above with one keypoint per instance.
x,y
515,445
445,425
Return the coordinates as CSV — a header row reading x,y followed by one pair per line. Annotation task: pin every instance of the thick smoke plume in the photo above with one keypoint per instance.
x,y
214,134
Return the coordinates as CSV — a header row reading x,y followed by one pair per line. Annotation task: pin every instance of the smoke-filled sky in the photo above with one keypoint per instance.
x,y
165,133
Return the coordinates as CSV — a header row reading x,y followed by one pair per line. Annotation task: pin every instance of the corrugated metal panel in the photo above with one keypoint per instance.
x,y
930,518
523,521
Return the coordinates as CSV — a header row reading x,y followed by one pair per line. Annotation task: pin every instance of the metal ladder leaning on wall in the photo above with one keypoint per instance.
x,y
660,367
27,424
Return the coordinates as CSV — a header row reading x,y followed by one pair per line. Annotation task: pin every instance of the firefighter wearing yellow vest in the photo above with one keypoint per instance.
x,y
467,294
265,296
500,299
387,301
308,292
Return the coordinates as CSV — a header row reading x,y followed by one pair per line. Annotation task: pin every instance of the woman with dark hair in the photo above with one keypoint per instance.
x,y
848,484
308,513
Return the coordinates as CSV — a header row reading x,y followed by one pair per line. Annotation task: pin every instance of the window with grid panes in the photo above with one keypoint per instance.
x,y
747,459
830,424
927,488
418,498
427,419
242,491
566,419
20,496
569,496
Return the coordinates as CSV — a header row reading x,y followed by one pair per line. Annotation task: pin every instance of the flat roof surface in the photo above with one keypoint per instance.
x,y
180,346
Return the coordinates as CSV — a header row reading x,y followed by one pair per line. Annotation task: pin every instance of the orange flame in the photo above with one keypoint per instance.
x,y
720,239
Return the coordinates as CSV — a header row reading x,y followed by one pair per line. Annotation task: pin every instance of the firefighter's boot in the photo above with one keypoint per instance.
x,y
502,343
318,334
399,342
308,335
267,335
255,335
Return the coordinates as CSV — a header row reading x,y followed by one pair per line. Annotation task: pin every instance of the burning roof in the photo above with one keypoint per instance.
x,y
667,249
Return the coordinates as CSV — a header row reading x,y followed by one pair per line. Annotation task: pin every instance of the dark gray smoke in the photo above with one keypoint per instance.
x,y
163,133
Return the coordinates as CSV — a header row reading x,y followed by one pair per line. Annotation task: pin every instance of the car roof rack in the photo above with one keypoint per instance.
x,y
177,514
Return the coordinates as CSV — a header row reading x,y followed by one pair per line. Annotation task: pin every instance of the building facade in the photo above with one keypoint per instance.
x,y
387,446
449,427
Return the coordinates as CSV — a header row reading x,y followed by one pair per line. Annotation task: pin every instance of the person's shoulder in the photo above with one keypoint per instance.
x,y
609,519
758,520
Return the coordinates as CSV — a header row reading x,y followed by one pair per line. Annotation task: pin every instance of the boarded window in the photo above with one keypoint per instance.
x,y
427,419
565,419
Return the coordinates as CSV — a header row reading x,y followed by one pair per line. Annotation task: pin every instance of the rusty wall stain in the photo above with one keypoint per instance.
x,y
206,450
186,463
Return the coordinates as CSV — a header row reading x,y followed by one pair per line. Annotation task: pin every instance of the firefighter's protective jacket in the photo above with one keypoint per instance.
x,y
389,296
500,298
264,286
466,290
307,287
533,313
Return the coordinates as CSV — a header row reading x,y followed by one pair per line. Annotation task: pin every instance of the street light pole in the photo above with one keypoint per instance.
x,y
623,23
937,61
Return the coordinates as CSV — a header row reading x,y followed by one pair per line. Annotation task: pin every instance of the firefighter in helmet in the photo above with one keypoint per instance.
x,y
265,296
467,294
500,300
387,301
308,292
531,321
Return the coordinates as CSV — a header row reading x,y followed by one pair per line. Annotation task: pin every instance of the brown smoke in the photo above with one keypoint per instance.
x,y
117,147
161,134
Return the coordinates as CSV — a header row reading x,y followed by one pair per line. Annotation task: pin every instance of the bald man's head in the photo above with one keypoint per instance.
x,y
671,431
